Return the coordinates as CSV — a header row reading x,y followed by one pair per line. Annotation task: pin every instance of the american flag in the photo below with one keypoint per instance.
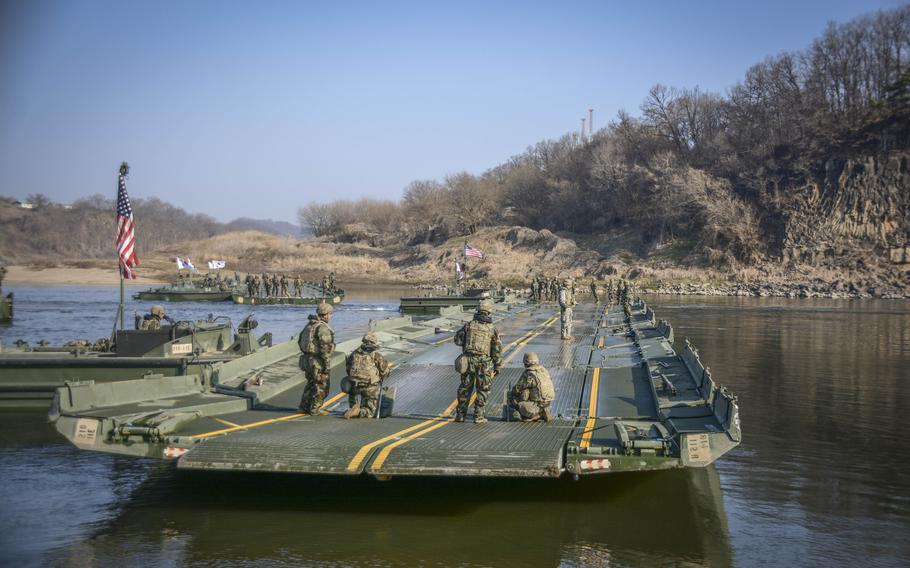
x,y
125,229
471,251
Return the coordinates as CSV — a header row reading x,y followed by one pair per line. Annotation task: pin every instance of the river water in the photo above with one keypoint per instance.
x,y
821,478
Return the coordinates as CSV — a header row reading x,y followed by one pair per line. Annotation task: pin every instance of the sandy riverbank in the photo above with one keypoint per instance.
x,y
56,276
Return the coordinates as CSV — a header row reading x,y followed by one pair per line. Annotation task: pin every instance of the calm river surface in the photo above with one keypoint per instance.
x,y
822,477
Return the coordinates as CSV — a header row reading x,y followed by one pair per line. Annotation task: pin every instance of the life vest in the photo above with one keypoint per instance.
x,y
478,337
363,367
309,340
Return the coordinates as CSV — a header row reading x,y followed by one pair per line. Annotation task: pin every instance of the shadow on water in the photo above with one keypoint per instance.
x,y
228,518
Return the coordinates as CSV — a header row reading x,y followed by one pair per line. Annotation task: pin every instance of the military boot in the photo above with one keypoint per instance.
x,y
479,419
459,418
547,415
353,412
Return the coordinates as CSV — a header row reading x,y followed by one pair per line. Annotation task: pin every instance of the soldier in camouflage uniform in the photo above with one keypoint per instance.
x,y
298,287
152,321
284,285
317,342
566,303
275,285
530,398
594,291
366,369
266,285
535,289
480,343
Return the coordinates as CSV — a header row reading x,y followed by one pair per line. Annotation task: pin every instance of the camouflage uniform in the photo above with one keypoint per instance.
x,y
594,291
284,286
152,322
480,343
275,285
531,396
317,342
535,289
266,285
566,303
366,368
297,287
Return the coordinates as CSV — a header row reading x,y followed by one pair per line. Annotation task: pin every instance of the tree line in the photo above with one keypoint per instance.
x,y
693,164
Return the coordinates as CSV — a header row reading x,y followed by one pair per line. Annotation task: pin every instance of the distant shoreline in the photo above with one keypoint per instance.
x,y
18,274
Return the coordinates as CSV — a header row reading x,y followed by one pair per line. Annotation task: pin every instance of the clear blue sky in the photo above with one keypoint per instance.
x,y
255,108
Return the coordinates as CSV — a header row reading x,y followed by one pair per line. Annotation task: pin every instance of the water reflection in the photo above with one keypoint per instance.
x,y
204,519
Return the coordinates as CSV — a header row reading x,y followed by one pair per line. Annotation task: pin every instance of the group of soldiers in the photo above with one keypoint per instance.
x,y
544,289
281,285
529,399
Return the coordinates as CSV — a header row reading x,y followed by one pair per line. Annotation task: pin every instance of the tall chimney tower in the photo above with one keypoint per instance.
x,y
582,130
591,122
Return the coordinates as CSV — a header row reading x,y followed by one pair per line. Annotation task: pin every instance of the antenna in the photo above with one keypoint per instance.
x,y
582,129
591,122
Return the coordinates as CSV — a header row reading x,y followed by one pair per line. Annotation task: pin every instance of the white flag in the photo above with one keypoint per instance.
x,y
189,264
180,265
459,271
216,264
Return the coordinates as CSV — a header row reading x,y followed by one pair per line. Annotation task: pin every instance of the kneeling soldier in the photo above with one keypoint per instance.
x,y
480,344
530,398
366,370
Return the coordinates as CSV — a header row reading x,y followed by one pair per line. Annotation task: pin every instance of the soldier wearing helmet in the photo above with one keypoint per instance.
x,y
367,368
317,342
481,356
530,398
152,321
566,303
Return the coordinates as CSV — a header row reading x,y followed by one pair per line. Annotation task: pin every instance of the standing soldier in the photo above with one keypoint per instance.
x,y
275,284
317,342
332,282
367,368
566,303
266,285
325,285
610,293
594,291
297,286
530,398
535,289
479,362
284,286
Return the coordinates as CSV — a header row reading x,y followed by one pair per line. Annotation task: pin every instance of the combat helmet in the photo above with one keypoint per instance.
x,y
485,307
323,309
370,339
157,310
531,358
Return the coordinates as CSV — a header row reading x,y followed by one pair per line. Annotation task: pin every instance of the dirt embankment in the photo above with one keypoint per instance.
x,y
512,256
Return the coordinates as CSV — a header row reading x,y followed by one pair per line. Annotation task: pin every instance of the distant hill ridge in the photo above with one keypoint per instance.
x,y
38,230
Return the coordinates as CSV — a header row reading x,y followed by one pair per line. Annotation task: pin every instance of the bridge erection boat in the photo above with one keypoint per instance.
x,y
625,401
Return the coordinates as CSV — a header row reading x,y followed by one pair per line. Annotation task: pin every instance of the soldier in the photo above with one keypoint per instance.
x,y
275,285
610,293
566,303
332,282
594,291
284,286
298,287
317,342
266,285
256,286
482,352
367,368
530,398
535,289
2,275
325,284
152,321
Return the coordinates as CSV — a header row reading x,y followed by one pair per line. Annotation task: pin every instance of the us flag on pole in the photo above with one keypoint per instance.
x,y
471,251
126,234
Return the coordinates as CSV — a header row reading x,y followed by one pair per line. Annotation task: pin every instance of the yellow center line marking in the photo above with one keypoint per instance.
x,y
592,410
227,423
439,422
600,342
247,426
443,416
